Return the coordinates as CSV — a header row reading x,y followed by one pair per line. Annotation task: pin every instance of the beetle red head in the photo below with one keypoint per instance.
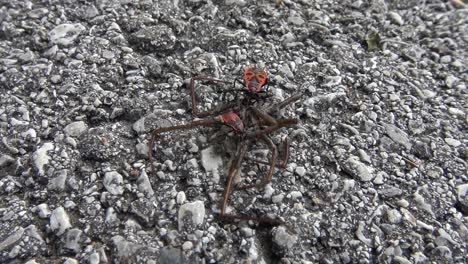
x,y
232,120
255,79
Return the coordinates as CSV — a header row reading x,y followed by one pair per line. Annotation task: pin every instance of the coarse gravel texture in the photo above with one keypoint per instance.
x,y
377,169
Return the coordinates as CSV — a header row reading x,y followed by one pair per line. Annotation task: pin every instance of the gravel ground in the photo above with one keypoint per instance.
x,y
377,170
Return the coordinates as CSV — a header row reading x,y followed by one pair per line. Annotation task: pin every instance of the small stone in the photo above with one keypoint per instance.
x,y
332,81
390,191
113,182
456,111
283,240
55,79
6,160
94,258
397,135
72,239
156,38
42,210
419,257
195,211
111,217
70,261
108,54
142,149
393,216
12,239
139,126
75,129
396,18
193,148
358,169
192,164
210,160
169,255
452,142
247,232
40,157
401,260
360,234
180,198
59,221
296,20
301,171
58,182
428,94
295,195
379,178
348,185
187,245
144,184
445,59
38,13
65,34
443,253
450,81
268,191
277,199
402,203
422,204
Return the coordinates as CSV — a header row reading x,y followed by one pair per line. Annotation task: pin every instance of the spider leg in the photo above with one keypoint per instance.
x,y
229,188
157,131
280,124
194,99
274,152
266,118
275,108
267,177
281,163
286,154
233,171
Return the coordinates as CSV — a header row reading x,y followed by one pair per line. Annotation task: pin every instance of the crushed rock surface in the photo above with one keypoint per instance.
x,y
377,167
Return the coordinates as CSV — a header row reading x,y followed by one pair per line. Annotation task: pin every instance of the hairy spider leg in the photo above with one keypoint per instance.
x,y
157,131
195,111
284,103
236,163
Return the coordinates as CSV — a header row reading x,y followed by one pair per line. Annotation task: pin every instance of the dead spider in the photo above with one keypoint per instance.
x,y
249,124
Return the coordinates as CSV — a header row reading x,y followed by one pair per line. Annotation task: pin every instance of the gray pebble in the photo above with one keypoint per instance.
x,y
283,240
194,211
73,239
65,34
6,160
358,169
113,182
41,158
390,191
169,255
144,184
301,171
396,18
75,129
59,221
